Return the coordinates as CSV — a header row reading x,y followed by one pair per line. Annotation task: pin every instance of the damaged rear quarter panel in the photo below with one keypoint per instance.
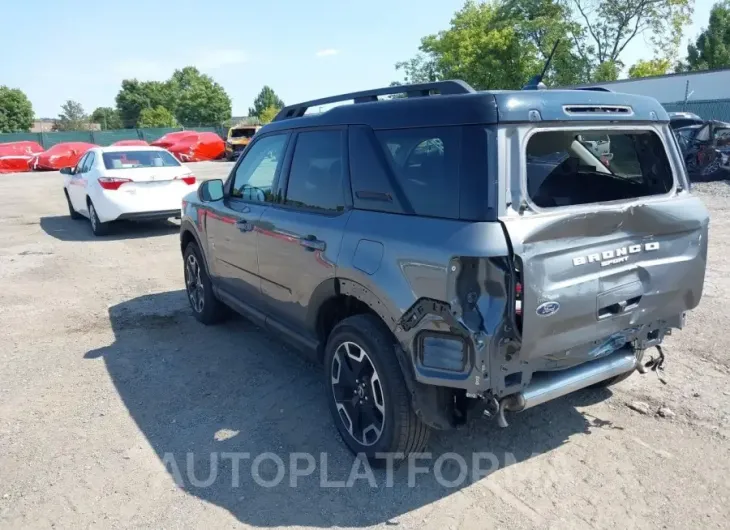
x,y
418,256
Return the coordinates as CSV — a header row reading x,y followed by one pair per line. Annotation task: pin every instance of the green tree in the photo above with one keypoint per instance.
x,y
16,111
156,117
266,98
134,96
72,117
649,68
499,44
268,114
608,26
107,118
712,47
199,99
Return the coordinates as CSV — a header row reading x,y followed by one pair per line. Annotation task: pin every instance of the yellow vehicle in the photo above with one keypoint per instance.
x,y
239,137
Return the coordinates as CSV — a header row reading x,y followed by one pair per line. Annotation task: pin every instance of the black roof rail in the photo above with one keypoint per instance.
x,y
595,88
454,86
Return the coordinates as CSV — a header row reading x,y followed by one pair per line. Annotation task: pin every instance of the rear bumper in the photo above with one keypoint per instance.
x,y
149,216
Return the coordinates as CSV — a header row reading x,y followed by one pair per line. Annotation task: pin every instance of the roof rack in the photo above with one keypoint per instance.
x,y
417,90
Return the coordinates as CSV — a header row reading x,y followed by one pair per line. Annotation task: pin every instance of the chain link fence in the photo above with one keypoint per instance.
x,y
716,109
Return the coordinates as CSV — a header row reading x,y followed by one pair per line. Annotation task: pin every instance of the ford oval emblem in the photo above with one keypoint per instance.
x,y
547,308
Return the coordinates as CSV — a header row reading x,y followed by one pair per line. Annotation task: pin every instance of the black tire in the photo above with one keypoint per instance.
x,y
97,227
73,213
199,288
401,432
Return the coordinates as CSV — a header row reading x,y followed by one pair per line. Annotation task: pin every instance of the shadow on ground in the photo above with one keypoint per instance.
x,y
233,388
64,228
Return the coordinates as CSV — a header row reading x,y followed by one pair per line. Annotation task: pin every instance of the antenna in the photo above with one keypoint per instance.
x,y
536,82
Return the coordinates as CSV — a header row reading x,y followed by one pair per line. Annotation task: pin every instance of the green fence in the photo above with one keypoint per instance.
x,y
716,109
103,138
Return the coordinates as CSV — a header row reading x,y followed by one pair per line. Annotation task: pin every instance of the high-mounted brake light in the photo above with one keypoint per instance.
x,y
112,183
189,179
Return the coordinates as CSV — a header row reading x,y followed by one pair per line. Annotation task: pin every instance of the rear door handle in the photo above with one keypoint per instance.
x,y
311,242
243,225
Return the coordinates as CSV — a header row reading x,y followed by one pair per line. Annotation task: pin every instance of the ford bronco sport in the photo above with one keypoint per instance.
x,y
453,253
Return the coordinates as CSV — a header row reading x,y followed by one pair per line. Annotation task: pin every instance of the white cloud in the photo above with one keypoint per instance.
x,y
327,52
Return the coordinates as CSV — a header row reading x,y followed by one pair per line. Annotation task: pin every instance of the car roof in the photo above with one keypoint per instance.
x,y
462,105
121,148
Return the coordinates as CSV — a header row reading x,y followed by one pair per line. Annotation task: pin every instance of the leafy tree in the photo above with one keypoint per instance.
x,y
712,47
266,98
649,68
135,96
156,117
608,26
16,111
499,45
107,117
72,117
199,99
268,114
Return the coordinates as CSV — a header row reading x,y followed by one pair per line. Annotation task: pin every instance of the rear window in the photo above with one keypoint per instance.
x,y
137,159
566,168
242,133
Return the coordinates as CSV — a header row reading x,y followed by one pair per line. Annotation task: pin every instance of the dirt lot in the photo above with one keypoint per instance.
x,y
107,383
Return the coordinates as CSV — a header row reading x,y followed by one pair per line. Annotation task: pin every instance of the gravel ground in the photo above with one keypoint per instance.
x,y
107,383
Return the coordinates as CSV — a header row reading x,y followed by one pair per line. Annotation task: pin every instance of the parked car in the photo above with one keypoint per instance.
x,y
453,255
238,138
683,119
705,149
126,183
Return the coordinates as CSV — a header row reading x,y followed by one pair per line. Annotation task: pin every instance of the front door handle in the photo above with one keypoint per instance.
x,y
311,242
243,225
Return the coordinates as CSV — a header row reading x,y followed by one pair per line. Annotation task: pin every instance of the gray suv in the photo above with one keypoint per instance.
x,y
453,253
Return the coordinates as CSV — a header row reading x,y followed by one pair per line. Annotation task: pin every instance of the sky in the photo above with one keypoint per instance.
x,y
81,49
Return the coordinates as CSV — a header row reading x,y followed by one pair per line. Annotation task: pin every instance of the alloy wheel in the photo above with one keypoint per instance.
x,y
92,217
358,393
196,291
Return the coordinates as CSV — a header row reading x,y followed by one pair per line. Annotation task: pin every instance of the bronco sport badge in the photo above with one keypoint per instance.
x,y
616,256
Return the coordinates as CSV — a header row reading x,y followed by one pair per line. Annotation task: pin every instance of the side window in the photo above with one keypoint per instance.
x,y
425,163
88,163
255,174
80,164
315,178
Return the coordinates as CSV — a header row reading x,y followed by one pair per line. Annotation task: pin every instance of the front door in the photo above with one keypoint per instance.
x,y
232,223
78,183
299,240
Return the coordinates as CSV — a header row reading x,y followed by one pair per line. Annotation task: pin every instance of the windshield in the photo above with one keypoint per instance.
x,y
242,133
565,169
138,159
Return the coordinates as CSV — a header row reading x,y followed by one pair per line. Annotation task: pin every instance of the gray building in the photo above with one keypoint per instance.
x,y
704,93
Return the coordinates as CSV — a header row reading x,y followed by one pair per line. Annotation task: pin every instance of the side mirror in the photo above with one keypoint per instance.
x,y
210,190
68,170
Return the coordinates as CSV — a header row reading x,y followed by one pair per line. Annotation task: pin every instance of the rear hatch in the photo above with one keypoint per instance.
x,y
606,239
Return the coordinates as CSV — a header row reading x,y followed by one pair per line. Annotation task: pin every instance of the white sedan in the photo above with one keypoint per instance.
x,y
117,183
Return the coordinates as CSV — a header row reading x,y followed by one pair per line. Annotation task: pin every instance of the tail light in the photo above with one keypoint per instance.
x,y
112,183
189,179
518,299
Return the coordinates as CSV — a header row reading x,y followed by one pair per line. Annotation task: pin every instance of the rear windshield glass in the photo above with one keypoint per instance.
x,y
566,168
136,159
242,133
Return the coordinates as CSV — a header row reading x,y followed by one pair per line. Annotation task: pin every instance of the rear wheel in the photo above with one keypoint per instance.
x,y
99,228
73,213
206,307
366,392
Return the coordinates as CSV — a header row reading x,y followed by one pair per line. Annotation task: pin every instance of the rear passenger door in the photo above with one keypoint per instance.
x,y
299,239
